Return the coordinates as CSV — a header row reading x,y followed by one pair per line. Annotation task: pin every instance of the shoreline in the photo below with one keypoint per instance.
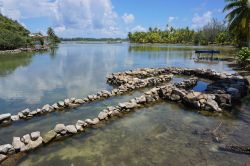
x,y
19,50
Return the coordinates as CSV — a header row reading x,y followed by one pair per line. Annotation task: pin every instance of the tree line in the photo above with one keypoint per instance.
x,y
235,30
215,32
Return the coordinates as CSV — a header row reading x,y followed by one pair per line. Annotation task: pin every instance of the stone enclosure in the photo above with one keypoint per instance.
x,y
220,95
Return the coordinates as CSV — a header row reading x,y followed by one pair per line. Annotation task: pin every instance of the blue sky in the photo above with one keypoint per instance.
x,y
110,18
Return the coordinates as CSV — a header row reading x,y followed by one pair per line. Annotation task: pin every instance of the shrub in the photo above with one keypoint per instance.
x,y
243,56
12,34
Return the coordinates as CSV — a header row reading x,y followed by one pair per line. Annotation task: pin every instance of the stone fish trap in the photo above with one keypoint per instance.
x,y
222,93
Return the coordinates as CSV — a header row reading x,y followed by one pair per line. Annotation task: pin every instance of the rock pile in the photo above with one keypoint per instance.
x,y
226,89
130,85
179,92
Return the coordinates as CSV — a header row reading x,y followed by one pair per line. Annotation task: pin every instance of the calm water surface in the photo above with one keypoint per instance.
x,y
162,134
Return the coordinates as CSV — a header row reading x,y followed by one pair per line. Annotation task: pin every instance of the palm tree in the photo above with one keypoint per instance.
x,y
52,36
239,16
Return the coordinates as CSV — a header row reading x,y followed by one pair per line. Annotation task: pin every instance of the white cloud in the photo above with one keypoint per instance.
x,y
128,18
78,17
138,28
171,19
199,21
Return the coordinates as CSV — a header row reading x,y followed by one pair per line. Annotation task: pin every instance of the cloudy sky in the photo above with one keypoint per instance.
x,y
110,18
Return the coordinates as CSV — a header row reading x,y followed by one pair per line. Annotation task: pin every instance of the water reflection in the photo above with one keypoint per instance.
x,y
157,135
10,62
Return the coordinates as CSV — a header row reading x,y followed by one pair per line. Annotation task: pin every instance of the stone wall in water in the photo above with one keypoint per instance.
x,y
220,95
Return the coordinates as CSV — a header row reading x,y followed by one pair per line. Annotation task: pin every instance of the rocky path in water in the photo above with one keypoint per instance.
x,y
220,95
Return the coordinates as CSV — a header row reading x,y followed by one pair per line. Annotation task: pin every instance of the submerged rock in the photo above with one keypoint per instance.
x,y
2,157
49,136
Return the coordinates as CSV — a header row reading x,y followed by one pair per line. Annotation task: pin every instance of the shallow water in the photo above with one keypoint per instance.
x,y
162,134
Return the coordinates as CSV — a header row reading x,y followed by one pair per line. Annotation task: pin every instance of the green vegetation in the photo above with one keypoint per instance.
x,y
239,23
215,32
239,19
234,32
243,56
52,38
12,34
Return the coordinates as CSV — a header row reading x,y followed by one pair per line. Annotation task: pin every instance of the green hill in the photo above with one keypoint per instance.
x,y
12,34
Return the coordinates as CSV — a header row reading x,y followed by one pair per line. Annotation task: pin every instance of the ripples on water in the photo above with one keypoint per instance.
x,y
162,134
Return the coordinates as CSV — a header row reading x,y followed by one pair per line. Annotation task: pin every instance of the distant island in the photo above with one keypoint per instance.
x,y
81,39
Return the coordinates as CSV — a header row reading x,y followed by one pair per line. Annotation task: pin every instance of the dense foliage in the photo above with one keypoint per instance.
x,y
239,19
12,34
244,56
214,32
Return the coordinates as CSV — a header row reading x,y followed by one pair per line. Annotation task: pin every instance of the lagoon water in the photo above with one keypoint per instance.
x,y
162,134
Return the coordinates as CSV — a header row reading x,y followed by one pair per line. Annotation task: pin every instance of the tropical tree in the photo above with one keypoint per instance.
x,y
52,36
239,16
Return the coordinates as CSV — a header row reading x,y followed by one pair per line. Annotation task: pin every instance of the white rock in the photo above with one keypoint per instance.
x,y
71,129
7,149
15,118
39,111
5,117
35,135
92,122
34,144
79,101
81,123
102,115
60,128
55,106
26,112
61,104
79,127
122,105
47,108
26,138
18,144
66,101
72,99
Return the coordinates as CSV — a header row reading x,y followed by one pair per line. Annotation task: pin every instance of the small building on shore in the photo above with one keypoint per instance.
x,y
39,40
